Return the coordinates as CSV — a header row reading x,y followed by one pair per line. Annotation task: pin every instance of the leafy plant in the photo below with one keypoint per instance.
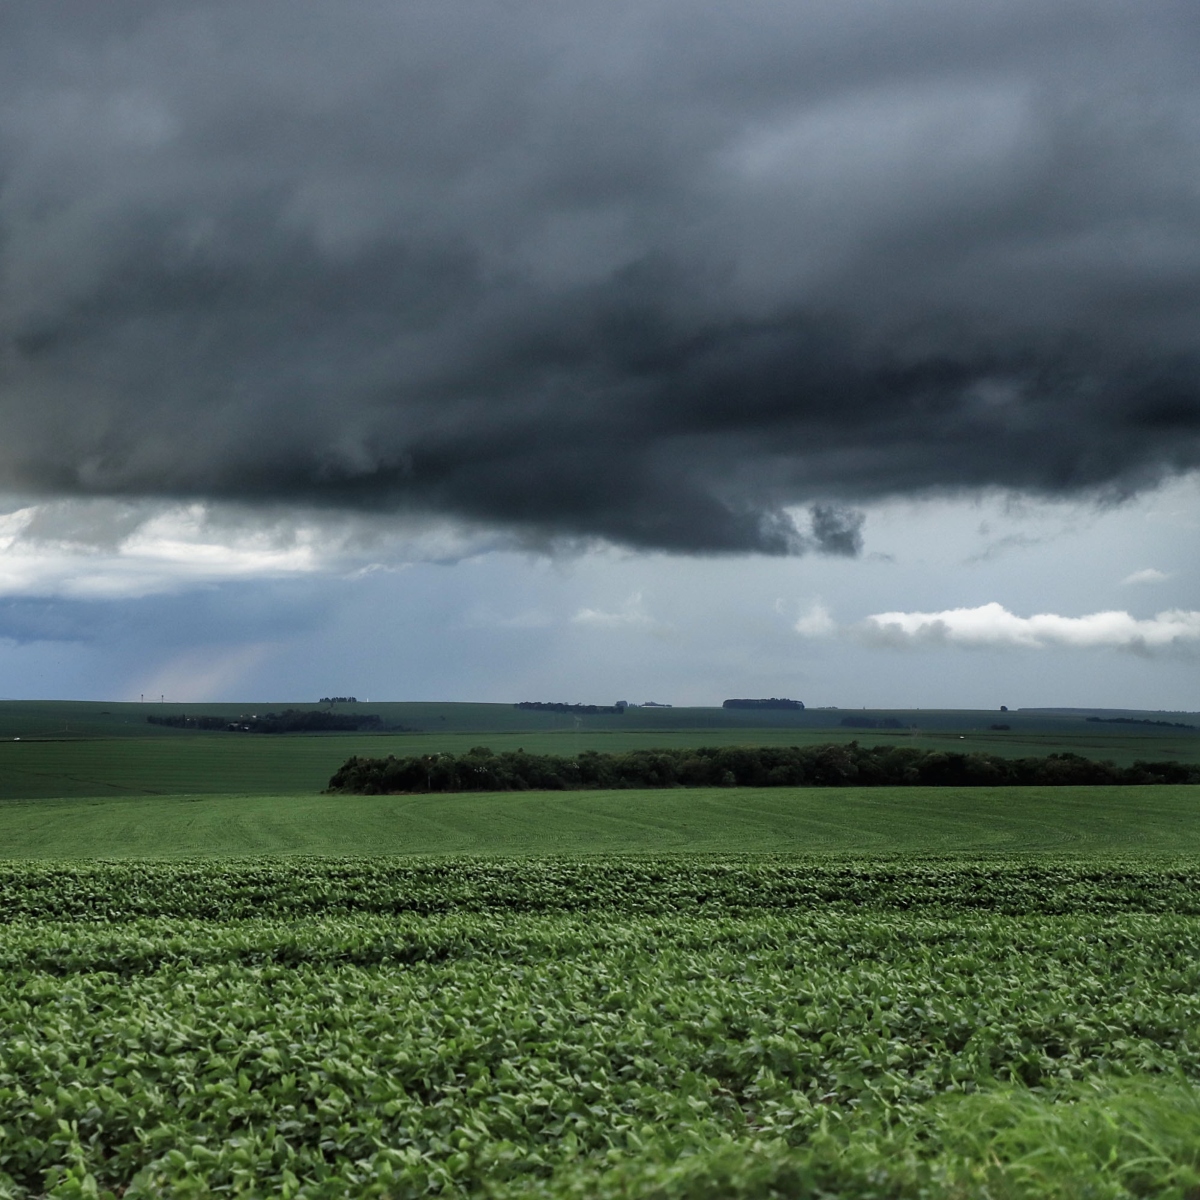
x,y
603,1027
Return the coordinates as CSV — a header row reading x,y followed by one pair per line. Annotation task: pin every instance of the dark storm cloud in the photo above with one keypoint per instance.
x,y
654,272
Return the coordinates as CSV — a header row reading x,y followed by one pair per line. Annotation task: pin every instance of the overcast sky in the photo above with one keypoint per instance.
x,y
848,351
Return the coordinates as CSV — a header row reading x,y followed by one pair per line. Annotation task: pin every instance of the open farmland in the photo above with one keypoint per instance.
x,y
244,764
57,749
217,981
658,1028
1161,819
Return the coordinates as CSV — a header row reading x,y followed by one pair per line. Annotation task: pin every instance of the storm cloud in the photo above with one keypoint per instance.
x,y
656,273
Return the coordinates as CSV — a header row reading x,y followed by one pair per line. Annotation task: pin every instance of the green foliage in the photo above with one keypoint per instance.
x,y
669,886
159,1039
1108,1139
829,765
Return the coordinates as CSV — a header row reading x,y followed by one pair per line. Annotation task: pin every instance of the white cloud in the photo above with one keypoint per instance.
x,y
165,551
817,622
1147,575
108,549
993,625
631,615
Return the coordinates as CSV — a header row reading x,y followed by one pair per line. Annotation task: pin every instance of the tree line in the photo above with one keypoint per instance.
x,y
840,765
578,710
1139,721
291,720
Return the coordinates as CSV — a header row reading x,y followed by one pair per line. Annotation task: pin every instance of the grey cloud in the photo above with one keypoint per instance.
x,y
90,524
656,273
837,530
1001,545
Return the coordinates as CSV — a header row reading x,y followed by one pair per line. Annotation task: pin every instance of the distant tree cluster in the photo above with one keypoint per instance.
x,y
773,702
480,770
338,700
577,710
872,723
181,721
292,720
1139,721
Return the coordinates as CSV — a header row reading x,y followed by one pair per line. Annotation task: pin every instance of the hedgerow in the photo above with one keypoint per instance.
x,y
833,765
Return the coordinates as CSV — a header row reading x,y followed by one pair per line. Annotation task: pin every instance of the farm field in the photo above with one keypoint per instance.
x,y
57,718
671,1028
216,981
1144,820
185,762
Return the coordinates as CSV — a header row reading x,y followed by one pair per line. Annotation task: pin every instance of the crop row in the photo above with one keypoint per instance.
x,y
394,1056
296,887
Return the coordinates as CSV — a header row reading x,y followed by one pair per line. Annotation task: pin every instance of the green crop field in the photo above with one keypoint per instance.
x,y
661,1028
217,981
1075,820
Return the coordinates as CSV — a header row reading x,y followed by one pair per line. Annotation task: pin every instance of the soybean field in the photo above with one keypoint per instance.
x,y
674,1028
